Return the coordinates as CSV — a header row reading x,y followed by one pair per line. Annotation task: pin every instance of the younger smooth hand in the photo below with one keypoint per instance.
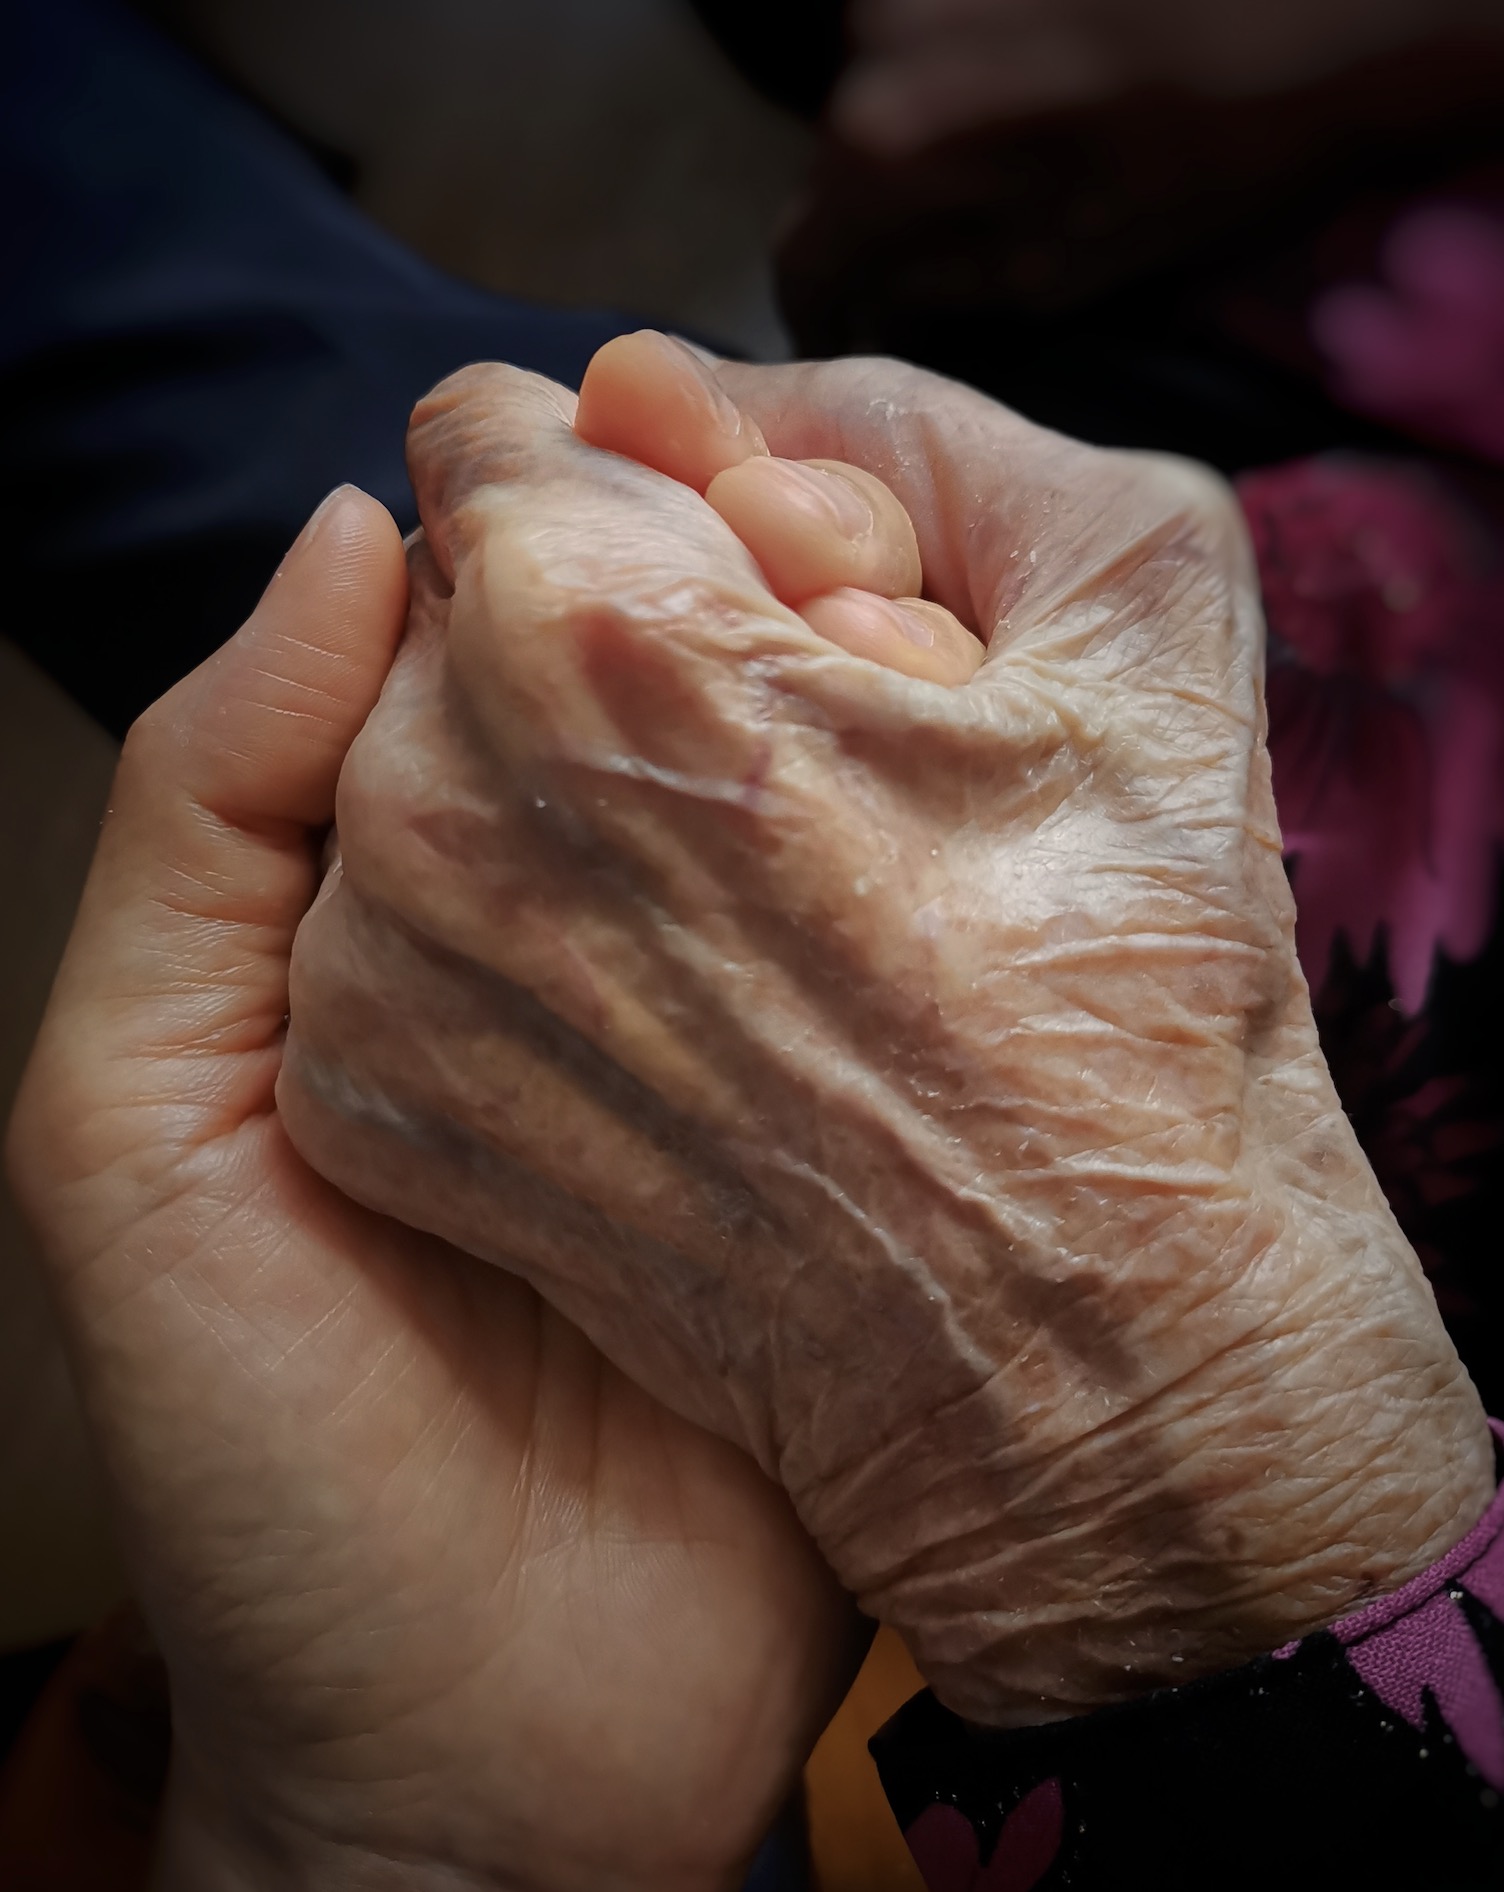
x,y
444,1599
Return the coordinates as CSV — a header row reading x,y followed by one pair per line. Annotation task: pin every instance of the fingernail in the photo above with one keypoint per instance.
x,y
822,496
886,614
916,624
728,416
909,617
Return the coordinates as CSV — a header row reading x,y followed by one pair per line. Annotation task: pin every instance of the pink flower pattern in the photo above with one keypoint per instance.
x,y
943,1843
1418,1644
1426,348
1414,1651
1433,1137
1384,590
1386,709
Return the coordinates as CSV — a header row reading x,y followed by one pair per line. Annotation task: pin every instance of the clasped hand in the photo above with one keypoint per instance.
x,y
444,1599
443,1594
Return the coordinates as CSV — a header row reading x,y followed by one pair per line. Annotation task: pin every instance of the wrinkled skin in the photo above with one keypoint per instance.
x,y
914,1085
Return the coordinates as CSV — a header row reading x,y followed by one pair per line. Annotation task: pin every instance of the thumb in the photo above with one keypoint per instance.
x,y
177,966
255,736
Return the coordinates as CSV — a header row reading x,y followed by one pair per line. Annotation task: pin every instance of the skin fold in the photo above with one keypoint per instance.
x,y
914,1085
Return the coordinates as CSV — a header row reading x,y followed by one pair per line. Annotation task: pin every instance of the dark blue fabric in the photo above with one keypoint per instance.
x,y
783,1863
199,337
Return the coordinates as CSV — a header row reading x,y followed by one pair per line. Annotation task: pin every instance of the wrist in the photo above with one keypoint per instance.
x,y
212,1840
1330,1453
1338,1448
208,1843
1380,1419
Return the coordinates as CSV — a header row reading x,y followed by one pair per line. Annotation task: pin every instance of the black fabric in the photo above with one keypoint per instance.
x,y
1369,1756
782,1863
1083,267
1284,1774
24,1673
791,50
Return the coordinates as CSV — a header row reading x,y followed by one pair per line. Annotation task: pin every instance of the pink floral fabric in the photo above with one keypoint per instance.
x,y
1250,1778
1371,1754
943,1843
1425,348
1385,602
1419,1643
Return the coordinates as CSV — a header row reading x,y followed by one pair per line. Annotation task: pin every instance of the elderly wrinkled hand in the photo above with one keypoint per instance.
x,y
899,1066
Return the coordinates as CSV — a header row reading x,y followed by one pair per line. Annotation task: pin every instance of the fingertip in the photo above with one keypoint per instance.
x,y
911,635
347,522
221,790
816,525
271,716
651,398
333,612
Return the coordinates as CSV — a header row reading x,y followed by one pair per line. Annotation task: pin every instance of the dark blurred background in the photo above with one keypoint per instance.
x,y
244,236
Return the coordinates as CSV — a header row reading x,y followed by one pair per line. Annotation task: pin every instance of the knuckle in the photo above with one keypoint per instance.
x,y
1195,496
1203,492
495,385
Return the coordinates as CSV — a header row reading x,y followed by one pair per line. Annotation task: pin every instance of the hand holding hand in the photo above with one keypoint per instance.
x,y
444,1599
